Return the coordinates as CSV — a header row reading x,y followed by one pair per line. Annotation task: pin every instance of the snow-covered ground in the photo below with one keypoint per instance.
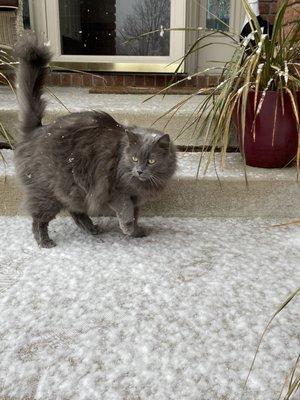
x,y
176,315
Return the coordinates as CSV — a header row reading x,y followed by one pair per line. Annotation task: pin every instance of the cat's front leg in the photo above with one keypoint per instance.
x,y
123,206
139,231
125,211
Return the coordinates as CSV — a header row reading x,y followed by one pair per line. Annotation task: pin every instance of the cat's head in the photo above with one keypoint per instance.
x,y
150,155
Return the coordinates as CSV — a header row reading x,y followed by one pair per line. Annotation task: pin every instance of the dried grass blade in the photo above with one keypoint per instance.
x,y
280,308
58,99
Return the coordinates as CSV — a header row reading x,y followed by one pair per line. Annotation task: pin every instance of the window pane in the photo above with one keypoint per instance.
x,y
26,16
219,9
92,27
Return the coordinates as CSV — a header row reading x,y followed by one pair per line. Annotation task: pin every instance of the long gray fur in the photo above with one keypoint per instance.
x,y
82,162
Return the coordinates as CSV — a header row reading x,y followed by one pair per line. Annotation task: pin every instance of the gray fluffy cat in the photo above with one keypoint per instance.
x,y
83,161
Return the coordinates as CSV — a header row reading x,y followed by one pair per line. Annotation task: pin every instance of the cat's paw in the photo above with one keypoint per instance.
x,y
95,230
127,227
47,243
140,232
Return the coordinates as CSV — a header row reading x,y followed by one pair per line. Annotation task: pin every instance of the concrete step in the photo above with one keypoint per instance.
x,y
270,192
131,109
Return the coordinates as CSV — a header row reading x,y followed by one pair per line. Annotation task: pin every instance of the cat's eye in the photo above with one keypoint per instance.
x,y
151,161
134,159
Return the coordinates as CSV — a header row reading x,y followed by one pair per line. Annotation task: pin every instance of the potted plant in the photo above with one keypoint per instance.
x,y
264,99
258,91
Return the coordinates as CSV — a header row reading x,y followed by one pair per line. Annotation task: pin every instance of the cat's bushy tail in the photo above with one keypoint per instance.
x,y
34,57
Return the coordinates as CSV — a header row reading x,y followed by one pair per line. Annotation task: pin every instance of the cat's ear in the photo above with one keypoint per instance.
x,y
163,141
132,138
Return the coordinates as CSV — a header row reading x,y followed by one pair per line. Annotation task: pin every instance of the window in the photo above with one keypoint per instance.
x,y
100,35
104,28
26,14
218,11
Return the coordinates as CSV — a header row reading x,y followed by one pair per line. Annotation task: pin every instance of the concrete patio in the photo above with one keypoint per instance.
x,y
176,315
270,193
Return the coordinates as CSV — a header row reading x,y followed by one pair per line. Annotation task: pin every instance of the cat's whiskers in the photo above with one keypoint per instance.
x,y
156,181
152,180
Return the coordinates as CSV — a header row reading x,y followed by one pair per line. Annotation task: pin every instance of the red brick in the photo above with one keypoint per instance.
x,y
149,80
56,78
139,80
97,80
170,79
66,79
271,19
48,81
119,80
291,2
129,80
181,84
213,80
268,9
273,8
290,27
109,79
292,13
77,80
202,81
160,81
87,80
264,8
192,81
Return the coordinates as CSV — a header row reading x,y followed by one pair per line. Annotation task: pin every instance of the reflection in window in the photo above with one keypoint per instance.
x,y
135,17
217,11
90,27
26,16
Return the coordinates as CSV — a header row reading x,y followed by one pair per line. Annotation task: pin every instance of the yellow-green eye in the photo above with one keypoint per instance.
x,y
134,158
151,161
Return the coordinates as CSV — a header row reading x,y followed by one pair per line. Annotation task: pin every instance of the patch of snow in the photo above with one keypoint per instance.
x,y
295,241
188,164
175,315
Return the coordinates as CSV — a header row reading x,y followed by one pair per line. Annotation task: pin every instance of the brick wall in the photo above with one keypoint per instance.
x,y
267,9
113,83
292,14
102,80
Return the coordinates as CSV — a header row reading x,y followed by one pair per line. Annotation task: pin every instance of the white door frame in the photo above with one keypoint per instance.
x,y
202,60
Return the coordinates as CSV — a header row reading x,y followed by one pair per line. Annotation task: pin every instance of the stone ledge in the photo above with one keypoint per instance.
x,y
141,90
270,192
131,109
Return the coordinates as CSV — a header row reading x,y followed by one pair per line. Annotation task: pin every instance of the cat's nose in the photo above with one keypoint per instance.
x,y
139,172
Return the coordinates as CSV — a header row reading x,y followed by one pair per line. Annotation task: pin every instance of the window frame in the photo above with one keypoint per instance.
x,y
199,62
46,22
235,14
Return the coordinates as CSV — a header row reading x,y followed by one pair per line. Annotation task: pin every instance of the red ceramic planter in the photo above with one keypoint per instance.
x,y
271,147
